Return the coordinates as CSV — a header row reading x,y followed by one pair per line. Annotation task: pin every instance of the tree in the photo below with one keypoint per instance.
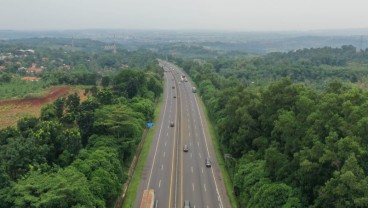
x,y
65,188
347,188
48,113
103,171
105,81
72,102
274,195
131,82
59,107
118,120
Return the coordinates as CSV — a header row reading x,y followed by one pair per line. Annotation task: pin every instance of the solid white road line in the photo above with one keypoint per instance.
x,y
158,141
208,153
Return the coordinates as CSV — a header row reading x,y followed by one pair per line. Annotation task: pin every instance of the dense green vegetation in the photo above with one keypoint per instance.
x,y
85,64
20,88
293,145
314,67
295,123
76,154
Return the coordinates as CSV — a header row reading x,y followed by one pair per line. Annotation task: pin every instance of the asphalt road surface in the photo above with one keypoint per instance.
x,y
176,175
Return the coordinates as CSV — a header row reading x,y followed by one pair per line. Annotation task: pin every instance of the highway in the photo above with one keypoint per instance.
x,y
176,175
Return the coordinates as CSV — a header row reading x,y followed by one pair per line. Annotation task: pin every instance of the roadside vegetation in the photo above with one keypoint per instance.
x,y
78,151
294,124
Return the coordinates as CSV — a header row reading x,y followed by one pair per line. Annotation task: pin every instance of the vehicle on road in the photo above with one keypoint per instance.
x,y
174,96
208,162
187,204
173,87
186,148
171,124
148,199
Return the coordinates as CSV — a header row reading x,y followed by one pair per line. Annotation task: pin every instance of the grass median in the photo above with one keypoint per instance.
x,y
134,183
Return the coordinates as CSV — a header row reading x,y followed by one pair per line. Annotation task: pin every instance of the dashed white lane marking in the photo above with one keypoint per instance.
x,y
200,156
158,141
205,190
191,169
198,144
189,134
162,167
191,154
167,134
193,186
165,144
202,170
164,154
159,184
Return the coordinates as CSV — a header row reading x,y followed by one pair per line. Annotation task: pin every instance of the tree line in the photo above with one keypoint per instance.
x,y
77,153
293,145
315,67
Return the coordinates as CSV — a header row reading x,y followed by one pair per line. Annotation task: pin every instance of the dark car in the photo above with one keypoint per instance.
x,y
186,148
174,96
187,204
173,87
171,124
208,162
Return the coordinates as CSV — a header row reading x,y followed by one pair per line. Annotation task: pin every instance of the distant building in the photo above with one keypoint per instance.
x,y
31,78
28,51
6,56
2,68
34,69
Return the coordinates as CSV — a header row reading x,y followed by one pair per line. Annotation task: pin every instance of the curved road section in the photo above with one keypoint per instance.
x,y
179,174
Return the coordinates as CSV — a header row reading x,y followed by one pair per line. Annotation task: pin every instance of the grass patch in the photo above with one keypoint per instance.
x,y
134,183
220,159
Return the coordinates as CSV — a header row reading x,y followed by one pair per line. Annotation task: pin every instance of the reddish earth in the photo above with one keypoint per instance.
x,y
12,110
53,94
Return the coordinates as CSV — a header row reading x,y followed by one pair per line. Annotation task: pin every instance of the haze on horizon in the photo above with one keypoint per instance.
x,y
234,15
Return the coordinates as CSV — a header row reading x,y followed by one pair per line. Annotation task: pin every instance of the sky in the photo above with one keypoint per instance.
x,y
231,15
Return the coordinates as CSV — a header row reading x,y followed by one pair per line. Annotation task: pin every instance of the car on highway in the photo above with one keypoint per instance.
x,y
187,204
173,87
186,148
174,96
171,124
208,162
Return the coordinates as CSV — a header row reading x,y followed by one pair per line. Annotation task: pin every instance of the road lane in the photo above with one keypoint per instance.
x,y
174,174
157,171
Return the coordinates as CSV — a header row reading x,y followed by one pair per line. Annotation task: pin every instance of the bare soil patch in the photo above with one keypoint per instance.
x,y
12,110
